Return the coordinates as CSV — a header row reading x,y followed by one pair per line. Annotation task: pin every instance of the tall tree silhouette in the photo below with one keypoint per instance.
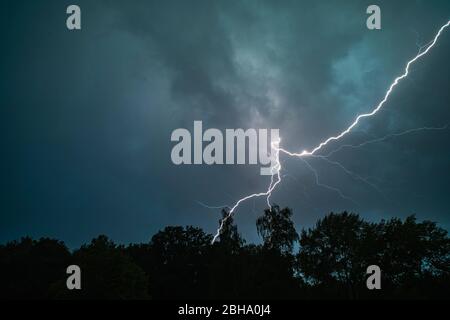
x,y
332,253
229,238
277,229
276,266
230,267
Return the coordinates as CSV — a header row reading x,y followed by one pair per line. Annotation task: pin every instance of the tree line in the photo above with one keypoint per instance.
x,y
327,261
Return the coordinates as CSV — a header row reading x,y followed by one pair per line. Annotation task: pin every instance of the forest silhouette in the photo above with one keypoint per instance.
x,y
327,261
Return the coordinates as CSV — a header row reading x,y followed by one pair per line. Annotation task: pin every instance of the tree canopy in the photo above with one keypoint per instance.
x,y
328,260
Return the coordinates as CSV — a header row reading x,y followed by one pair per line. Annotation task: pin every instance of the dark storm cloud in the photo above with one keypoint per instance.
x,y
89,114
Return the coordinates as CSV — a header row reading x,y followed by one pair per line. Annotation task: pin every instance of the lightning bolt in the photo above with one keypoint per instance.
x,y
275,179
384,138
320,184
275,146
352,174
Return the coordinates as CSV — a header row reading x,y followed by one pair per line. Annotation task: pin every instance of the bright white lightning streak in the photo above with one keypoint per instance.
x,y
380,105
275,170
275,145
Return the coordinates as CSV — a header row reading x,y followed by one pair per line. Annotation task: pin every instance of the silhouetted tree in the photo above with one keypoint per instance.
x,y
276,263
411,252
228,263
142,255
107,273
335,254
331,254
277,229
29,267
229,238
180,257
181,262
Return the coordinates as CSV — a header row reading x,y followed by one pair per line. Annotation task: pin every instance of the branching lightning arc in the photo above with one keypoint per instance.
x,y
275,170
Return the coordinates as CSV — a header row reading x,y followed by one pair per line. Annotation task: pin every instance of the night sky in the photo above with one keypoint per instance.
x,y
86,116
